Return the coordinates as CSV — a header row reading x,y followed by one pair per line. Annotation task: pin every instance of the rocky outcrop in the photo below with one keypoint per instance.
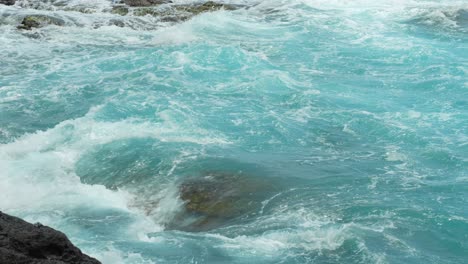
x,y
205,7
146,2
215,199
25,243
7,2
120,10
37,21
161,10
182,12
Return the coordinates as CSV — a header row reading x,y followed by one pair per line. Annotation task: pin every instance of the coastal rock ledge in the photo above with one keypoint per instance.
x,y
22,242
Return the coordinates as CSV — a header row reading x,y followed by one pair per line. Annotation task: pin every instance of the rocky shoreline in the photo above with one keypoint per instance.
x,y
25,243
161,11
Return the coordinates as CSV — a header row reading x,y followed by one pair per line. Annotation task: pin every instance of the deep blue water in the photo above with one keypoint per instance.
x,y
356,113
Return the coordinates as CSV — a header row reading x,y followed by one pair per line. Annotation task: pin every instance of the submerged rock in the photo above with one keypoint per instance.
x,y
217,198
116,22
22,243
7,2
37,21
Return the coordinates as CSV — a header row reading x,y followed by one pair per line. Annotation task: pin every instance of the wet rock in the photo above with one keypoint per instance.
x,y
140,3
33,35
81,9
462,18
116,22
165,15
37,21
120,10
205,7
174,18
24,243
180,13
147,11
217,198
7,2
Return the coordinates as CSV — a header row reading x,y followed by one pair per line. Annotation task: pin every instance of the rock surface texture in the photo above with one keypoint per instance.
x,y
214,200
155,11
37,21
25,243
7,2
145,2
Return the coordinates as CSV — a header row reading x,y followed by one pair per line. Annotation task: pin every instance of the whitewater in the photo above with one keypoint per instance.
x,y
350,115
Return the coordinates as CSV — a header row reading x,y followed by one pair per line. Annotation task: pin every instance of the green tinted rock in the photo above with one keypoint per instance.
x,y
170,13
120,10
146,11
217,198
37,21
81,9
205,7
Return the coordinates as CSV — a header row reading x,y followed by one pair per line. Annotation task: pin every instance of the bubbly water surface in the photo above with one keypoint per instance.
x,y
356,110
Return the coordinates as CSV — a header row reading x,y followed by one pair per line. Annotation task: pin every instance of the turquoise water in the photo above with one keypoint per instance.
x,y
356,111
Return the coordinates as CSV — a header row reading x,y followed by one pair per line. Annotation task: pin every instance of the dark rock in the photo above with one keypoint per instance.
x,y
33,35
7,2
25,243
116,22
37,21
120,10
174,18
146,2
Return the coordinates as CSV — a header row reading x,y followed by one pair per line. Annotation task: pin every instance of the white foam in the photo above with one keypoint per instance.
x,y
305,232
164,205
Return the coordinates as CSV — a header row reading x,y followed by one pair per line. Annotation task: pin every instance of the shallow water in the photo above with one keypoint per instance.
x,y
356,111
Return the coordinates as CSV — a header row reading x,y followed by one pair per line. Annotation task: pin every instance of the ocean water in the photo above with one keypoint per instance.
x,y
354,111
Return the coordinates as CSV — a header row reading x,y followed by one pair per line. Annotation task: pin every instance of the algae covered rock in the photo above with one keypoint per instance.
x,y
164,15
120,10
216,195
180,13
37,21
216,198
81,9
205,7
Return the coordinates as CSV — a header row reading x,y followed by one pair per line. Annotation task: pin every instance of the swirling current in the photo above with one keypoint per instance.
x,y
323,131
